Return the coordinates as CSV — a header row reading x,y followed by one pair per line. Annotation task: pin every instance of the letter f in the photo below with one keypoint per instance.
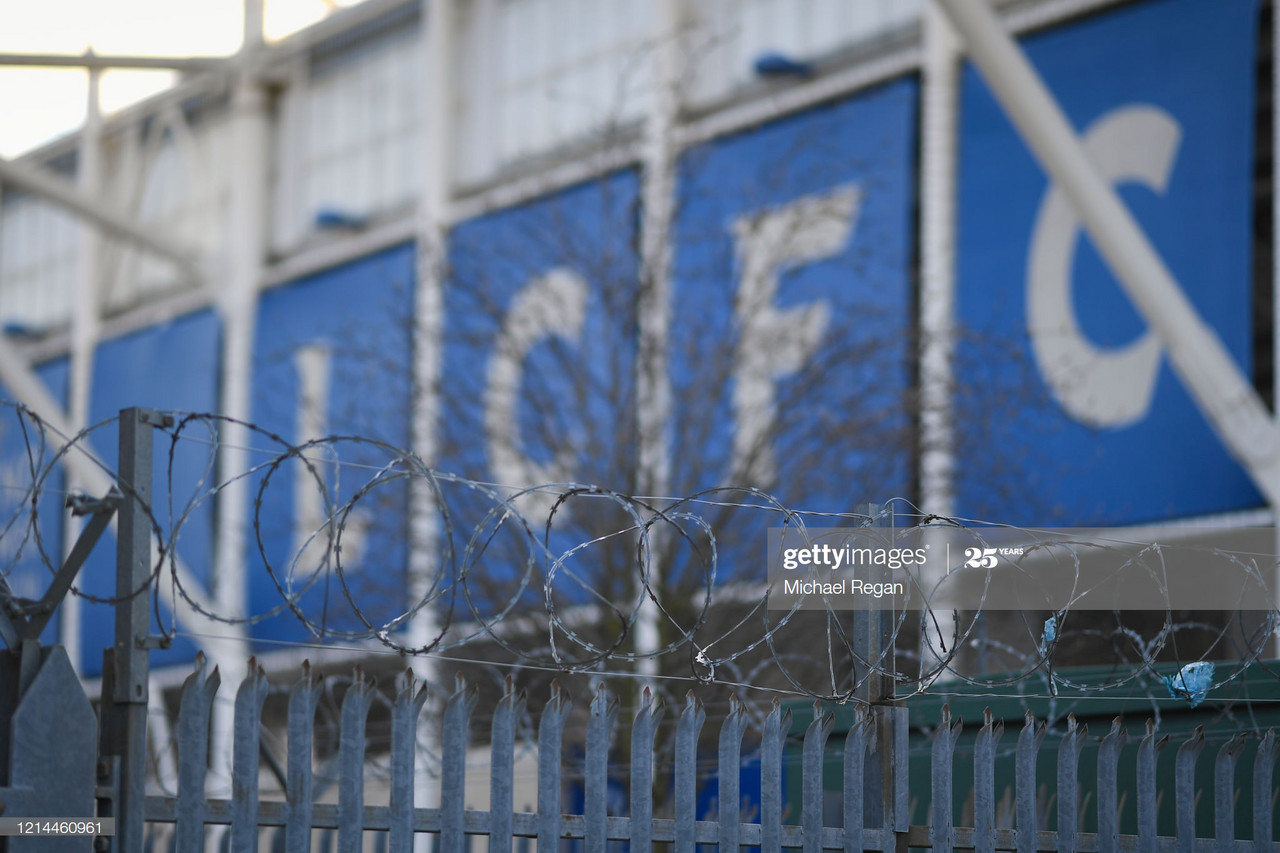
x,y
772,342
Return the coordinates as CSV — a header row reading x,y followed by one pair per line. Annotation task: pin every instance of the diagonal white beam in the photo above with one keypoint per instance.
x,y
62,193
1221,390
220,640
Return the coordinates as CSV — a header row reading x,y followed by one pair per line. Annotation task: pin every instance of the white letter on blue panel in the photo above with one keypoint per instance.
x,y
551,306
1099,387
773,343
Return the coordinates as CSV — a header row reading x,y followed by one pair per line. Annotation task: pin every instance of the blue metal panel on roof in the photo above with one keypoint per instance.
x,y
175,367
1045,439
792,301
352,324
539,376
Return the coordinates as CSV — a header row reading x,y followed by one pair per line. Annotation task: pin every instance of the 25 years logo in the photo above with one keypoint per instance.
x,y
985,558
980,558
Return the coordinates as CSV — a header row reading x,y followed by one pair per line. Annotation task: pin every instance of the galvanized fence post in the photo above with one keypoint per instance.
x,y
404,726
857,744
885,780
502,764
302,714
728,768
691,721
775,731
984,783
604,715
351,742
244,773
1068,776
1029,740
1263,768
126,664
942,835
815,742
193,757
1185,784
873,629
644,728
1108,761
550,737
1224,807
454,739
1148,840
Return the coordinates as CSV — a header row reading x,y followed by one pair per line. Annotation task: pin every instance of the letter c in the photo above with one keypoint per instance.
x,y
1109,387
552,305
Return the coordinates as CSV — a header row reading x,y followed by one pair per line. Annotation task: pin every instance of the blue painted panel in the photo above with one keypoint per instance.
x,y
539,379
793,287
1044,437
31,543
336,345
172,367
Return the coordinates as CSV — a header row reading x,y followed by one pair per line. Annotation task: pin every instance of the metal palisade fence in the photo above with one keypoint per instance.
x,y
850,776
872,795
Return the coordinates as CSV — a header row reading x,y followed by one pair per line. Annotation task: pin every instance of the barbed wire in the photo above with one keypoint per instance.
x,y
355,541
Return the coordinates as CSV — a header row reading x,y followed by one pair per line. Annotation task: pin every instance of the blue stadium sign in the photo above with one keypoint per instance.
x,y
1069,412
792,346
332,358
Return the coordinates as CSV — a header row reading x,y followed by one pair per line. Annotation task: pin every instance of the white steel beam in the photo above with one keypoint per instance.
x,y
93,60
653,415
237,302
437,34
60,192
85,324
1199,358
939,95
